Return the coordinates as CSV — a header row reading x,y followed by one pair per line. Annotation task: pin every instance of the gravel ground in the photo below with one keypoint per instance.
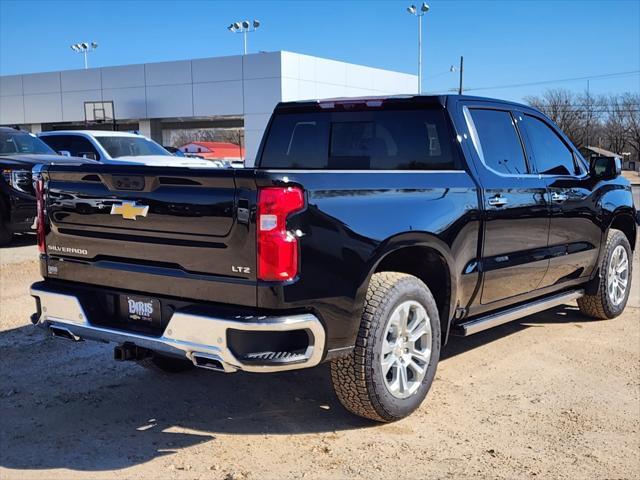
x,y
554,395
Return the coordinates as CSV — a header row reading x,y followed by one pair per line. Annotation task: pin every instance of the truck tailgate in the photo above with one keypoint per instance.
x,y
172,231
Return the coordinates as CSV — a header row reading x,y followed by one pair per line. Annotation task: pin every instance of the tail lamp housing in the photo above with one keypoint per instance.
x,y
278,252
40,215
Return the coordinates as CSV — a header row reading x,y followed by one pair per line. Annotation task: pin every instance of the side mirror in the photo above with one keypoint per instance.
x,y
605,167
65,153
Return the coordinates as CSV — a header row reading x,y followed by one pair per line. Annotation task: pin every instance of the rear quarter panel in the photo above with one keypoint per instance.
x,y
353,219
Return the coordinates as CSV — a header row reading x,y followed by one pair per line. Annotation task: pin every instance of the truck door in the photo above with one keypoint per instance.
x,y
514,258
574,230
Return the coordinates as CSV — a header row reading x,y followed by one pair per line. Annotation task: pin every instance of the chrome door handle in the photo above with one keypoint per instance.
x,y
558,197
498,201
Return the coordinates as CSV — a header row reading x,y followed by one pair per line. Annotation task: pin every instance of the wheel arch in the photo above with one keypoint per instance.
x,y
625,221
426,257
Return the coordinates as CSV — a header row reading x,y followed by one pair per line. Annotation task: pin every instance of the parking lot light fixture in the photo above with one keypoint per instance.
x,y
244,27
84,48
424,8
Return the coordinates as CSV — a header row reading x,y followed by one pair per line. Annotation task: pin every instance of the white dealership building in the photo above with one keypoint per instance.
x,y
219,92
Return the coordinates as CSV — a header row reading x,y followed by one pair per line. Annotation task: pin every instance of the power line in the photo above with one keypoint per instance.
x,y
584,110
436,75
543,82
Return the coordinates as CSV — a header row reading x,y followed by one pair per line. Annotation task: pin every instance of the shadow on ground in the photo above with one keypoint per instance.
x,y
66,405
561,314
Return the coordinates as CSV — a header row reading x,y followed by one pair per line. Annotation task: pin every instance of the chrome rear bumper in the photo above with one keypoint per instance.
x,y
190,336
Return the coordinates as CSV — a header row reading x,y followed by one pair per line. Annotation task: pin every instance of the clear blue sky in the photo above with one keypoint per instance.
x,y
504,42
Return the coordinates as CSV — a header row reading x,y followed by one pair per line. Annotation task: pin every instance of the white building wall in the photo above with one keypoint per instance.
x,y
242,85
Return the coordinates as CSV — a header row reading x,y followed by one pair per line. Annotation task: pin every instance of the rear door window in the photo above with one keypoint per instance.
x,y
497,141
376,140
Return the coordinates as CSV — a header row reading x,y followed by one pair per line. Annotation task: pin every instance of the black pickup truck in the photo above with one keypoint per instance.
x,y
20,151
369,232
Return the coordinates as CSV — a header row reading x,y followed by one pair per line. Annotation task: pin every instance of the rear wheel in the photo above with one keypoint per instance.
x,y
167,364
615,280
393,364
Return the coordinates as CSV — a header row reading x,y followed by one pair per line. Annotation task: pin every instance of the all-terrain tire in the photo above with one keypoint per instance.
x,y
358,379
163,363
600,305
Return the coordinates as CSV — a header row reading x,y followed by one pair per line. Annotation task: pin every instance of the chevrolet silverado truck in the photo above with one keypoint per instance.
x,y
369,232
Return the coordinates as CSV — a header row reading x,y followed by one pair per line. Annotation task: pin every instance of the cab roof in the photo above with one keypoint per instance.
x,y
92,133
385,100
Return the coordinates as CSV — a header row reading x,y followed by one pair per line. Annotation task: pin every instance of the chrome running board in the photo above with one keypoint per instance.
x,y
493,320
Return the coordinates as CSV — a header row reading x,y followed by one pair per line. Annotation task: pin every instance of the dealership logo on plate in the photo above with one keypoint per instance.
x,y
140,310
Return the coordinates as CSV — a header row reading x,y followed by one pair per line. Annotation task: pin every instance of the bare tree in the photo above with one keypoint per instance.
x,y
591,109
231,135
631,105
615,125
611,122
178,138
562,107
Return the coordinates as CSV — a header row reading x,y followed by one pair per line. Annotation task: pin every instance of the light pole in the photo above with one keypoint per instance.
x,y
84,48
424,8
244,27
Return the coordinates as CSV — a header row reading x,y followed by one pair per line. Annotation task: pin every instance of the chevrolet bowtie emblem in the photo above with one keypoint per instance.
x,y
130,210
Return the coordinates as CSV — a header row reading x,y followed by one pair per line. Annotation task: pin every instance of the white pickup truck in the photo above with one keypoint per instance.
x,y
117,148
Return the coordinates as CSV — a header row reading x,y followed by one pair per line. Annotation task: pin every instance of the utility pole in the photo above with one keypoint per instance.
x,y
461,71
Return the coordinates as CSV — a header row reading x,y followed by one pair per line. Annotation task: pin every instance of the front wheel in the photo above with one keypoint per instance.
x,y
393,364
615,280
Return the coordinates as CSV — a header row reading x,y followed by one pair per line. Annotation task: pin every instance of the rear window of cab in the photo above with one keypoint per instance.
x,y
363,140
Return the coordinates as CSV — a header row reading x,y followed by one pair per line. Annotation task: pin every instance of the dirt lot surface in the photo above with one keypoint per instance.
x,y
554,395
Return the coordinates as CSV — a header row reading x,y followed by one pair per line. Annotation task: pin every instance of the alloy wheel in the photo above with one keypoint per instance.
x,y
618,275
406,349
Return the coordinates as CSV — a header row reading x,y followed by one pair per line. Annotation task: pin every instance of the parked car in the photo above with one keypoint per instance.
x,y
116,147
369,232
19,152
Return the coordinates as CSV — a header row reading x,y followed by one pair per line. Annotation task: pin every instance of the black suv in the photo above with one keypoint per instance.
x,y
19,152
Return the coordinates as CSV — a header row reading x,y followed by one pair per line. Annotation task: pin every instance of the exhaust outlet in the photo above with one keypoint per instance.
x,y
210,362
61,332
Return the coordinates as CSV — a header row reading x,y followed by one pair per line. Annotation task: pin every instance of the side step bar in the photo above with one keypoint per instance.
x,y
492,320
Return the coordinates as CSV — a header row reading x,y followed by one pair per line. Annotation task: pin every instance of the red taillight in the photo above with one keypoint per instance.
x,y
277,247
40,220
